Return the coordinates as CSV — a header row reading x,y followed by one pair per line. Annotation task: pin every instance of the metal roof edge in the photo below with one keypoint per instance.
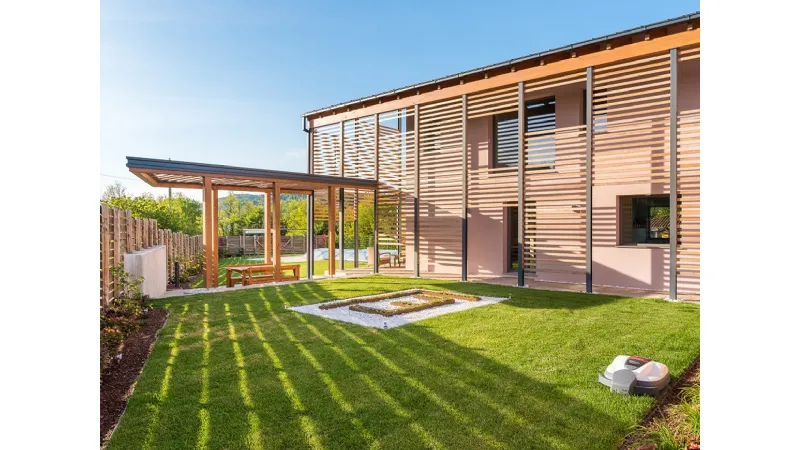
x,y
639,29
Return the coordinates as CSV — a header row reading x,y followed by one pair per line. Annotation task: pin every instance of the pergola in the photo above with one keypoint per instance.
x,y
214,177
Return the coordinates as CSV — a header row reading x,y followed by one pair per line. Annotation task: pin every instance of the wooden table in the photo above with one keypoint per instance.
x,y
249,274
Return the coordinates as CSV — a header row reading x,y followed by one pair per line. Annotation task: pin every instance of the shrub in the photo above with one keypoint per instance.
x,y
240,252
122,316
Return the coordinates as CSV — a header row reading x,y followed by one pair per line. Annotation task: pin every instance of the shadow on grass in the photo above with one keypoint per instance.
x,y
245,372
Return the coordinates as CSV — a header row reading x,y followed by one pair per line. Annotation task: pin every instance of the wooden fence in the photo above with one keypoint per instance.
x,y
120,234
254,244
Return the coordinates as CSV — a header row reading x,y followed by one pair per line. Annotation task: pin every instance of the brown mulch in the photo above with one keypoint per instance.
x,y
116,384
671,396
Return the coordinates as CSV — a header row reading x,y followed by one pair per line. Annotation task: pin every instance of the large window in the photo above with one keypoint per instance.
x,y
644,220
540,117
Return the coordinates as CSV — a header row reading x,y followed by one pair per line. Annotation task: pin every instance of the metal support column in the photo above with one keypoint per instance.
x,y
521,184
589,144
464,205
673,173
416,190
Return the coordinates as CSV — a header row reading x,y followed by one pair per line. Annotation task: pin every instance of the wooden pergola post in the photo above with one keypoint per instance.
x,y
208,247
215,235
267,229
276,244
331,231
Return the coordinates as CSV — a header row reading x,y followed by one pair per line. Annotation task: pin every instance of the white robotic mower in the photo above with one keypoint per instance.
x,y
635,375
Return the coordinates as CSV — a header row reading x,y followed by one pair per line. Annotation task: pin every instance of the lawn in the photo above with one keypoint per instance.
x,y
320,266
237,370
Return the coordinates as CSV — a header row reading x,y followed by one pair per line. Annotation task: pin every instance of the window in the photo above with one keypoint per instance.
x,y
540,116
505,140
644,220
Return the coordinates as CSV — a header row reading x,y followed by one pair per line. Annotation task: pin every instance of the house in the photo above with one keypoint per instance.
x,y
609,130
579,165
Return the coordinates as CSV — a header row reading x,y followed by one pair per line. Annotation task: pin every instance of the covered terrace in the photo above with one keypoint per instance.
x,y
212,178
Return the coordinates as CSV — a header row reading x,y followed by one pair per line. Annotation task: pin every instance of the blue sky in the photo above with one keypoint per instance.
x,y
227,81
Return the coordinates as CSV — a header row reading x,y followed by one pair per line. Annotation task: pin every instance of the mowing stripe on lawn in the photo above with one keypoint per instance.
x,y
306,423
397,409
164,390
333,389
254,439
419,386
204,434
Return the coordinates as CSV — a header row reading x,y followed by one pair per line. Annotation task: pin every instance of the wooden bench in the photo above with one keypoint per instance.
x,y
259,273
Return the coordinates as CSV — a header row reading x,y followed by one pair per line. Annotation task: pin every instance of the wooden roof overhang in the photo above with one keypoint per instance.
x,y
191,175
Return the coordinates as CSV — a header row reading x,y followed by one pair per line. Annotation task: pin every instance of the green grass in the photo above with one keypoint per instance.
x,y
238,370
320,267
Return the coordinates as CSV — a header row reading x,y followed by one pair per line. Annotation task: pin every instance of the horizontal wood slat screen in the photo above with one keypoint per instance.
x,y
491,187
631,122
359,148
440,182
489,103
327,150
555,183
688,256
396,183
631,148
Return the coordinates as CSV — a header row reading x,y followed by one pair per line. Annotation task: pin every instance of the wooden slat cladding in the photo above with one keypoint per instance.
x,y
441,182
631,122
688,256
327,150
555,183
396,180
496,101
555,201
359,148
494,185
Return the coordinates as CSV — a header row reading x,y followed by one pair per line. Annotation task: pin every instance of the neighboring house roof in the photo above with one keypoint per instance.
x,y
510,62
659,222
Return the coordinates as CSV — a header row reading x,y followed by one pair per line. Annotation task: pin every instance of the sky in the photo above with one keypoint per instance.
x,y
227,82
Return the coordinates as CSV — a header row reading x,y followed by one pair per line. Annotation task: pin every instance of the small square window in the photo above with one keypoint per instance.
x,y
644,220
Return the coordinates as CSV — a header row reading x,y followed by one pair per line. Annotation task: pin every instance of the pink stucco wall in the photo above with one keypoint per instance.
x,y
613,264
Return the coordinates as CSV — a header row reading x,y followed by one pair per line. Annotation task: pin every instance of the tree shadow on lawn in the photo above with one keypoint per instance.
x,y
238,370
373,284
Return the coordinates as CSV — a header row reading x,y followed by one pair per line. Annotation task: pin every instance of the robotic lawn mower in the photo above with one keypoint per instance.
x,y
635,375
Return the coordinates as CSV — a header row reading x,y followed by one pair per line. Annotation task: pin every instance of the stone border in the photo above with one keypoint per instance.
x,y
403,310
422,294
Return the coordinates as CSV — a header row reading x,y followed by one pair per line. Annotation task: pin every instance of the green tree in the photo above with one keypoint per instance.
x,y
178,213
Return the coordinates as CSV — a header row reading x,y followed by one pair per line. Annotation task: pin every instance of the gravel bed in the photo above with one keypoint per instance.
x,y
344,314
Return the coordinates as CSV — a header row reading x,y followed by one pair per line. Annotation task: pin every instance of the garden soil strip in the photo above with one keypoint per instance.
x,y
671,397
116,383
403,309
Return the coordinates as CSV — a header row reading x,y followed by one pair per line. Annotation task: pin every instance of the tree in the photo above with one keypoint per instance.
x,y
178,213
113,191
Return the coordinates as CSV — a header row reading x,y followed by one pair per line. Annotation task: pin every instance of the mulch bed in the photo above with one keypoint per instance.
x,y
672,396
116,384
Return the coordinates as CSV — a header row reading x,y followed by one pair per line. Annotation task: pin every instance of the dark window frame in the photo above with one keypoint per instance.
x,y
650,202
514,115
